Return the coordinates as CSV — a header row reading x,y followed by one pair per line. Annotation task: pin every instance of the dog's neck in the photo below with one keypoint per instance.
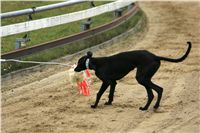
x,y
90,64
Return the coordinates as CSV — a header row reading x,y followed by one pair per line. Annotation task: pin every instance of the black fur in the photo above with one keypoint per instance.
x,y
112,68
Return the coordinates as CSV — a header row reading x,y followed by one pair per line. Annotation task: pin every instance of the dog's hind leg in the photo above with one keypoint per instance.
x,y
104,86
141,80
152,69
143,76
111,94
159,90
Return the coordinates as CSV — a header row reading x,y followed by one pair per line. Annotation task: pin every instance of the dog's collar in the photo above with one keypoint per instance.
x,y
87,63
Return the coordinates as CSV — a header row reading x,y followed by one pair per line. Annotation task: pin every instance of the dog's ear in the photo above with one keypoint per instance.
x,y
89,54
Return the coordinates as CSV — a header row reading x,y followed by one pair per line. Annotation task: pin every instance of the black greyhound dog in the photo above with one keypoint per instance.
x,y
112,68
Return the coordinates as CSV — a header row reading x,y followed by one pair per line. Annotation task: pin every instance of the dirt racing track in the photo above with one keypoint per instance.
x,y
44,101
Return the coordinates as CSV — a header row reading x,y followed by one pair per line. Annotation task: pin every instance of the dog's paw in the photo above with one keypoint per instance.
x,y
108,103
156,106
93,106
143,109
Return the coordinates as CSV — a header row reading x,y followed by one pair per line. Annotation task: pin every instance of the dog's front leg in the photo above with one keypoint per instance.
x,y
111,94
104,86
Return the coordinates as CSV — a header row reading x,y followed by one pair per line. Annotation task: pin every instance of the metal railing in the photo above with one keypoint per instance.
x,y
39,9
70,39
61,19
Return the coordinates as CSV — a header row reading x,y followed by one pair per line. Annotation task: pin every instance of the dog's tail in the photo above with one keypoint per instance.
x,y
179,59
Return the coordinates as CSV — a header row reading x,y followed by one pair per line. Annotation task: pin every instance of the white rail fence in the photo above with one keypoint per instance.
x,y
39,9
61,19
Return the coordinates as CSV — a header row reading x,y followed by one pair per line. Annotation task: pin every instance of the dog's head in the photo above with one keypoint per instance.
x,y
83,62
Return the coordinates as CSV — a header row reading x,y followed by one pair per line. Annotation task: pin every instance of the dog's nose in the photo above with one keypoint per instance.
x,y
76,69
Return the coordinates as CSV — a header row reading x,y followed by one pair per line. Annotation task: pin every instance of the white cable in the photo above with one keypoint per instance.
x,y
35,62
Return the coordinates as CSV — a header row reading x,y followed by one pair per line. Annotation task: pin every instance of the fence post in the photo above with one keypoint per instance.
x,y
85,25
118,12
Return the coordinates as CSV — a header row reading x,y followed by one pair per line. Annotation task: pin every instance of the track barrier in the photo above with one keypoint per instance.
x,y
70,39
61,19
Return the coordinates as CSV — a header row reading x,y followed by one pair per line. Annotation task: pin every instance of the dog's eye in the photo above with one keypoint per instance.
x,y
80,62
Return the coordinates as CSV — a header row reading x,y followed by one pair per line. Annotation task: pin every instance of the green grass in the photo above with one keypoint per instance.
x,y
74,47
47,34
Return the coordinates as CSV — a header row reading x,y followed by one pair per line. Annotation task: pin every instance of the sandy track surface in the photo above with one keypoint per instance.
x,y
50,104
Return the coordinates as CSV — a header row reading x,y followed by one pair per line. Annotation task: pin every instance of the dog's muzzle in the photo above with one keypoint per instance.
x,y
77,69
